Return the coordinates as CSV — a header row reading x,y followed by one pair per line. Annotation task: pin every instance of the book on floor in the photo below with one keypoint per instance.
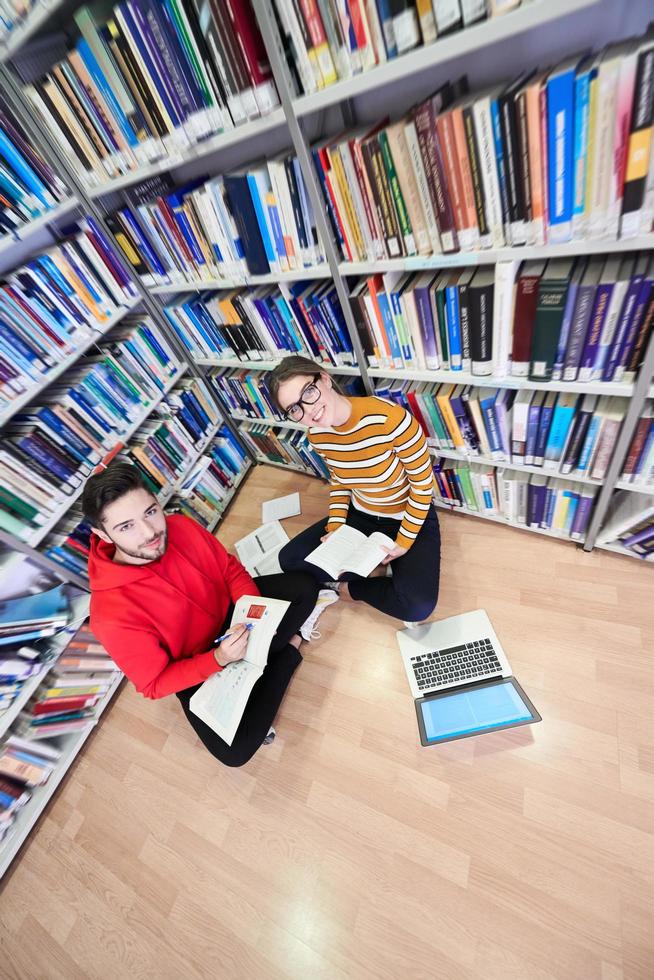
x,y
258,550
349,550
281,507
221,700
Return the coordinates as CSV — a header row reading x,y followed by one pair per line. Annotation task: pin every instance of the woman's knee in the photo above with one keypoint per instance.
x,y
416,607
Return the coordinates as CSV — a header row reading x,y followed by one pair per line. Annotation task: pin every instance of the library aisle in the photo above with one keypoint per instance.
x,y
345,849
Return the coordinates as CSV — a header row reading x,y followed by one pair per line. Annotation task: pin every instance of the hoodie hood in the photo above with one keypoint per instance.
x,y
105,573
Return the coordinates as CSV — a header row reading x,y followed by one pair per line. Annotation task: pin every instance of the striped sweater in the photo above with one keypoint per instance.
x,y
379,461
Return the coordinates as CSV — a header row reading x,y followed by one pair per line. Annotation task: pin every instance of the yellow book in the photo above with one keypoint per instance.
x,y
443,399
591,163
139,453
71,276
339,172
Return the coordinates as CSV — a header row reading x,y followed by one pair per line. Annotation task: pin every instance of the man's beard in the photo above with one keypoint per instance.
x,y
148,554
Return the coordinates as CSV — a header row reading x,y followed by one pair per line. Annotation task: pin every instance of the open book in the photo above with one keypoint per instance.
x,y
258,551
221,700
349,550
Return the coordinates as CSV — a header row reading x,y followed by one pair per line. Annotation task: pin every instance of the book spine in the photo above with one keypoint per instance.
x,y
560,107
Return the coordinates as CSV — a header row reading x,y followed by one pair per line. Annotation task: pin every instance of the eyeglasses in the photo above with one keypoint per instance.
x,y
310,395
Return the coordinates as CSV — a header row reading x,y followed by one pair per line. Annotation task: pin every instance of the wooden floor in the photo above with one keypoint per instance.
x,y
347,850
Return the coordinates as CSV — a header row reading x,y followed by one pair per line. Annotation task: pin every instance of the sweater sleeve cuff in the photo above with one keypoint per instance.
x,y
402,541
207,664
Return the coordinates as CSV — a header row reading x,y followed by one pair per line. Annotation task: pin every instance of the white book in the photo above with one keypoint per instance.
x,y
291,25
258,550
349,550
607,87
488,164
221,700
503,304
281,507
423,187
447,13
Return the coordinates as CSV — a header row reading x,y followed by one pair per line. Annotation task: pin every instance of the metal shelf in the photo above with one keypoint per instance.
x,y
265,421
522,467
489,256
25,232
35,19
507,523
617,549
269,365
190,154
488,381
476,38
201,285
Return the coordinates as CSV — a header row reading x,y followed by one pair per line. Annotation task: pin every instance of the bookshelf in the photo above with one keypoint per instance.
x,y
538,27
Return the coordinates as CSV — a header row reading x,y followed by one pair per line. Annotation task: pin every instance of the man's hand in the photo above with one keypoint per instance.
x,y
392,553
233,647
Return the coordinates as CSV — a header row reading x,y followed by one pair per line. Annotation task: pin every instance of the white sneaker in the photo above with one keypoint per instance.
x,y
411,626
308,629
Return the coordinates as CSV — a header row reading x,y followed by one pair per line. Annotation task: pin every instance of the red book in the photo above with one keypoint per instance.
x,y
55,706
169,218
526,300
249,39
637,443
415,409
32,315
375,285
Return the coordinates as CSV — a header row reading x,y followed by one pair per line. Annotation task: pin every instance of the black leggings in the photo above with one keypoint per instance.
x,y
410,594
267,694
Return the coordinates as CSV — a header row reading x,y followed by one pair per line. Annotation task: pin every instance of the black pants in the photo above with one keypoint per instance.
x,y
266,695
412,591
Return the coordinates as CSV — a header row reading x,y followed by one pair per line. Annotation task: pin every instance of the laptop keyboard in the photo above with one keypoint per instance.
x,y
461,663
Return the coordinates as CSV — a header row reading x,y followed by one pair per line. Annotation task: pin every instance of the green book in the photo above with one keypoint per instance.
x,y
19,506
13,525
550,306
396,191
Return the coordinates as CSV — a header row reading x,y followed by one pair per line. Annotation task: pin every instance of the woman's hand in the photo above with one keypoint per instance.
x,y
233,647
326,536
392,553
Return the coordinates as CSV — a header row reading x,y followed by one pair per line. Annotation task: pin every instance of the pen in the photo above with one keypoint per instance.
x,y
220,639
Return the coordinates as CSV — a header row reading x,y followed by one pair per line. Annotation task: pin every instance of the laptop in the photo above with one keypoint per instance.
x,y
461,679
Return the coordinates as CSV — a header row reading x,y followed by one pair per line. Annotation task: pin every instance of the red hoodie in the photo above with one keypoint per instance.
x,y
159,621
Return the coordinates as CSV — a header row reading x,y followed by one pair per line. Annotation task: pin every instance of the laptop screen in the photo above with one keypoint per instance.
x,y
454,714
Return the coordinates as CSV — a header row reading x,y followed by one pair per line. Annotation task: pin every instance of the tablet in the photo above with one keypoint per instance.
x,y
460,712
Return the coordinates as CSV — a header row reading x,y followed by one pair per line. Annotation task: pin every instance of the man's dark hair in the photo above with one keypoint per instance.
x,y
108,485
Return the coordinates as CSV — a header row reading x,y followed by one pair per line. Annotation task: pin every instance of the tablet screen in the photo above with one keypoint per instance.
x,y
486,707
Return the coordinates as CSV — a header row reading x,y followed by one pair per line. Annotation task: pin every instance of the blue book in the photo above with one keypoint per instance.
x,y
564,413
13,341
259,210
573,498
147,252
23,170
453,326
550,504
88,408
533,419
487,404
106,91
275,224
42,607
241,206
625,319
500,159
544,424
388,31
586,71
287,316
560,149
137,35
74,445
566,322
388,325
193,310
333,219
151,336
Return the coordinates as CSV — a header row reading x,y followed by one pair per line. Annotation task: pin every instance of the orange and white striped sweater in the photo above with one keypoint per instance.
x,y
378,461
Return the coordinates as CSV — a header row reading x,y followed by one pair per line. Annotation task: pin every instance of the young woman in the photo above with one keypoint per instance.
x,y
381,480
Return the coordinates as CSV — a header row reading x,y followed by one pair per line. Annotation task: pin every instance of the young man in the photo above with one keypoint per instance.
x,y
163,589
